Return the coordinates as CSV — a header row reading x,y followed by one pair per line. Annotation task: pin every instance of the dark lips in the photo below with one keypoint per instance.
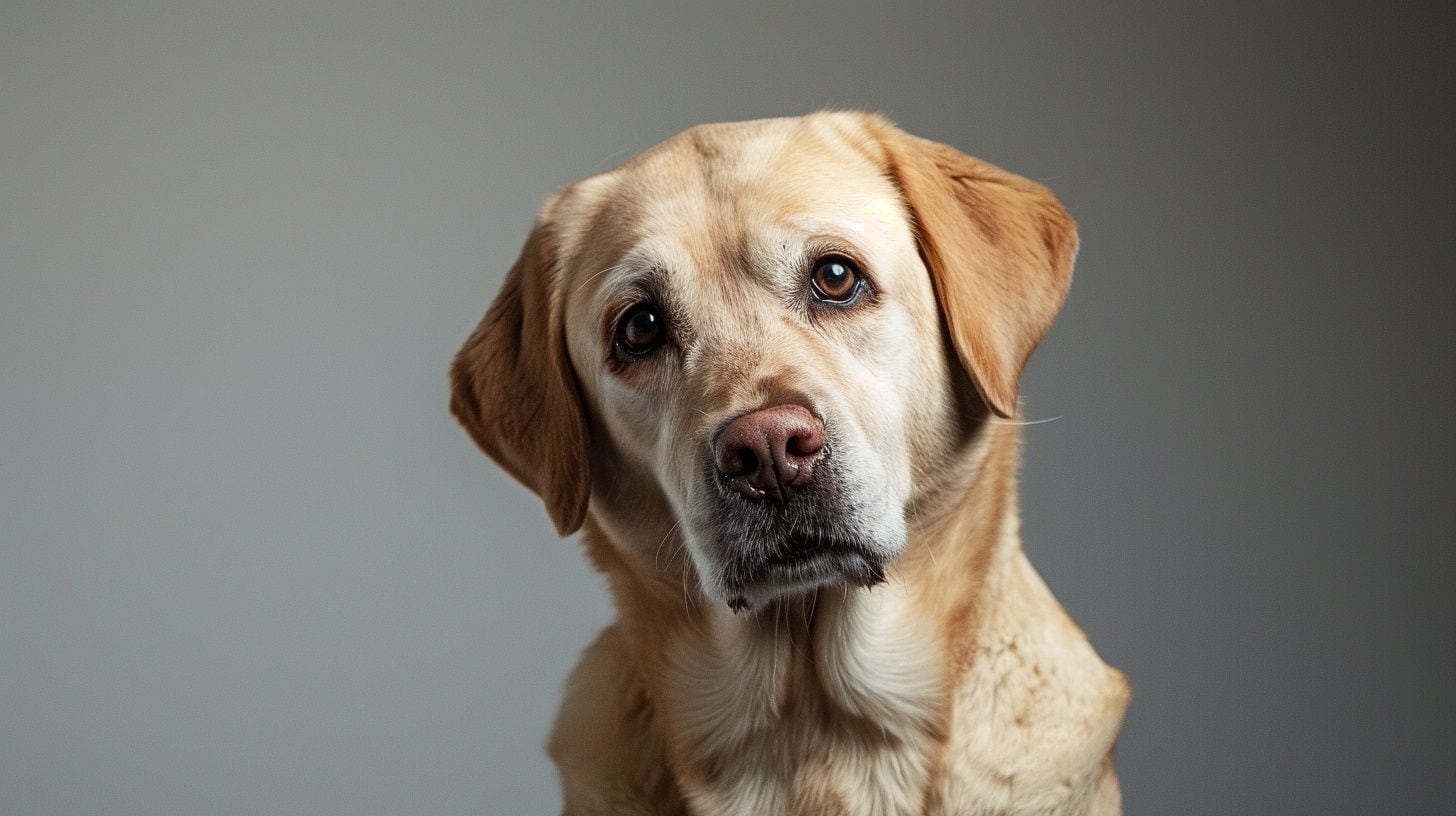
x,y
806,563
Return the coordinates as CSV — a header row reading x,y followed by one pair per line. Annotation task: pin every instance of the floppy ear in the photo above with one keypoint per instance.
x,y
999,249
513,390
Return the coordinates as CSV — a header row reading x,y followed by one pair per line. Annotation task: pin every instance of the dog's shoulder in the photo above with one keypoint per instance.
x,y
1037,712
610,757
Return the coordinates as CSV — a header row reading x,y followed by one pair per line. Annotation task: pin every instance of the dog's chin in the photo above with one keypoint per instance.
x,y
799,569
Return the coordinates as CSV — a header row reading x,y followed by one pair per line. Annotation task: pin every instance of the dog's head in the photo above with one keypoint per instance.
x,y
773,338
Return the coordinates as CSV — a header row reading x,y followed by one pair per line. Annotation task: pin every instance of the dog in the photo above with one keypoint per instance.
x,y
770,369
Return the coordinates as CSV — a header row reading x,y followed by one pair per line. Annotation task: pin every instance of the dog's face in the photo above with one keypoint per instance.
x,y
760,344
762,336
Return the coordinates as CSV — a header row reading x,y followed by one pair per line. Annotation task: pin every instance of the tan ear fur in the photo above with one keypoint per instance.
x,y
513,390
999,249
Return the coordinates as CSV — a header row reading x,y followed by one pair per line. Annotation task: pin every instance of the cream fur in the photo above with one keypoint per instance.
x,y
959,686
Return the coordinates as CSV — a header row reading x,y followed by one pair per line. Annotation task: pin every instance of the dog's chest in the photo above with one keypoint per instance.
x,y
853,714
796,717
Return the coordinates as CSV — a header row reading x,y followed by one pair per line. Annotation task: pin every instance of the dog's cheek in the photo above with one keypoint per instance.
x,y
632,421
627,493
703,532
881,390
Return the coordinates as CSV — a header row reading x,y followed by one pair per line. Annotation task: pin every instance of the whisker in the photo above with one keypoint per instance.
x,y
687,600
657,552
930,551
678,550
778,610
596,275
1000,421
615,155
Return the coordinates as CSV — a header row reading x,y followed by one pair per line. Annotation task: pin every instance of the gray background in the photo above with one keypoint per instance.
x,y
249,566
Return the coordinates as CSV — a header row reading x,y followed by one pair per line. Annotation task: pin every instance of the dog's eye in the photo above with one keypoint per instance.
x,y
641,331
835,280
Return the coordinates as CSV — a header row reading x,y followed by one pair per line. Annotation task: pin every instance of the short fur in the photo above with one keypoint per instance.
x,y
959,686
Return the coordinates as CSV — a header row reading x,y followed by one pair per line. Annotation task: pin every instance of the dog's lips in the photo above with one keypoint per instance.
x,y
804,566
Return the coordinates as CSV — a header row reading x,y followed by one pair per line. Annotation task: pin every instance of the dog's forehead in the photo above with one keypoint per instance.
x,y
732,190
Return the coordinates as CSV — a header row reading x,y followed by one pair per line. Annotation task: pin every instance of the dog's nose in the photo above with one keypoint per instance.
x,y
766,452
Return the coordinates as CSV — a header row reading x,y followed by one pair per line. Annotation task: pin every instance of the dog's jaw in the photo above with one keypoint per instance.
x,y
827,567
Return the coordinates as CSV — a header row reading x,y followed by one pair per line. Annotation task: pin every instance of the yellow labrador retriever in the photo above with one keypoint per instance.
x,y
771,369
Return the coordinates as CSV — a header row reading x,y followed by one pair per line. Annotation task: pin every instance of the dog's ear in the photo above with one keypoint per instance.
x,y
513,390
999,249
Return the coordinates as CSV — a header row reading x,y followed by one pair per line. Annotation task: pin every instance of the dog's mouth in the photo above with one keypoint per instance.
x,y
801,563
820,536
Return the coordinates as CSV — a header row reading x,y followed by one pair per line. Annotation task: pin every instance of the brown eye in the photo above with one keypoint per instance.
x,y
641,331
835,280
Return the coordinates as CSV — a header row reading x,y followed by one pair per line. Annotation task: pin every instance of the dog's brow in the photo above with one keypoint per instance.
x,y
593,276
632,276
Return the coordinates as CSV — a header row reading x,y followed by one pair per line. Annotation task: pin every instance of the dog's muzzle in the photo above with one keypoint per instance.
x,y
784,520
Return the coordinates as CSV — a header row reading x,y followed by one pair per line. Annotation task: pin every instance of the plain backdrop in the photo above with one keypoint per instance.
x,y
248,565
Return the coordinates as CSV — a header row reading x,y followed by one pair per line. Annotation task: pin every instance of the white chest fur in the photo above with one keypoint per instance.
x,y
800,710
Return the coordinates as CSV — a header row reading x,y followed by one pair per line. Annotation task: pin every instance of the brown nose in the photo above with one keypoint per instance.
x,y
767,452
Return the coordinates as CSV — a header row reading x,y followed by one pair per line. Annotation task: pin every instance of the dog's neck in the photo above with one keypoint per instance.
x,y
747,704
